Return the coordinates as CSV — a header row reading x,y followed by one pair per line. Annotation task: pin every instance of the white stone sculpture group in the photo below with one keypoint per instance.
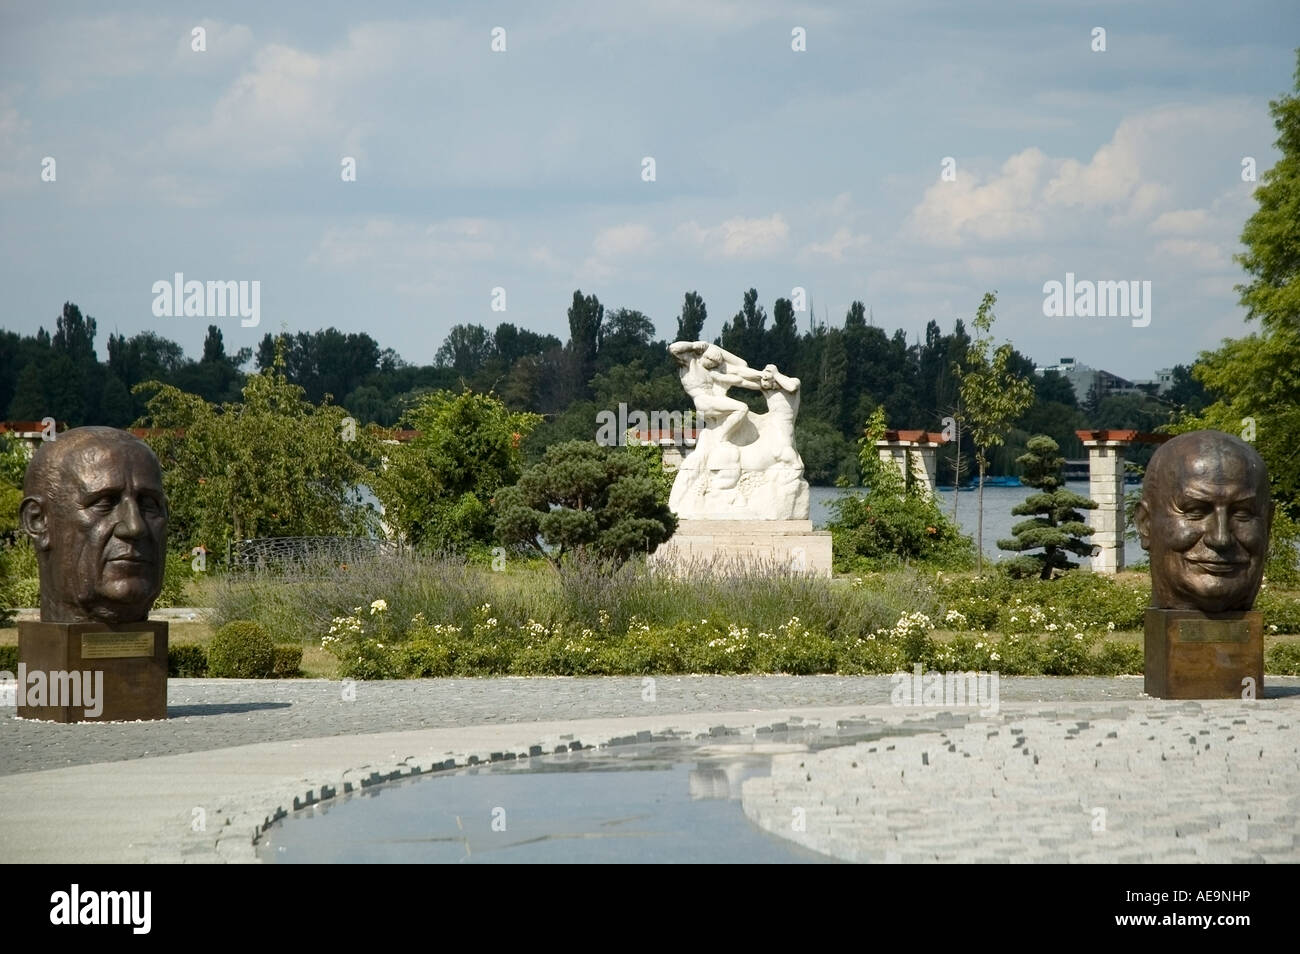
x,y
744,466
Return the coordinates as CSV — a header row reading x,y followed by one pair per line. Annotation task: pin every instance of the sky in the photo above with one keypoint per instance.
x,y
524,169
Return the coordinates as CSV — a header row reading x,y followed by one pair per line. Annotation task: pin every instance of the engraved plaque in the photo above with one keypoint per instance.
x,y
1213,631
116,645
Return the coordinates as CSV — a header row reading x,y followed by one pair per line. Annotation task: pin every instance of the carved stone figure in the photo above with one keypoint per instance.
x,y
1205,516
744,466
95,509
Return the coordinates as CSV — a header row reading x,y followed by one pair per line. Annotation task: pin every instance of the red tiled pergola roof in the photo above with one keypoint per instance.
x,y
1128,436
657,436
915,437
28,427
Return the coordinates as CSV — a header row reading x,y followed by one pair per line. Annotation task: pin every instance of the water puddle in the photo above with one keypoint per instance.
x,y
667,801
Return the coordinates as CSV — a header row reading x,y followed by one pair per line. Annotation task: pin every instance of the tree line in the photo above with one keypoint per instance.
x,y
611,356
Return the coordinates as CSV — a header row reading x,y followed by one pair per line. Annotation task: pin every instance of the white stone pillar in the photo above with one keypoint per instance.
x,y
893,455
926,462
916,450
1106,486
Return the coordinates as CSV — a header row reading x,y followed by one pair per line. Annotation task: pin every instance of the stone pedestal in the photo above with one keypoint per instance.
x,y
125,665
1195,655
719,545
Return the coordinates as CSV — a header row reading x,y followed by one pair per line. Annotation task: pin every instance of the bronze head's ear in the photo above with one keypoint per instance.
x,y
1142,520
35,522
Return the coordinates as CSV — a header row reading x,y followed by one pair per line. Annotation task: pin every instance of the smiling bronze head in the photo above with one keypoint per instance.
x,y
95,509
1205,517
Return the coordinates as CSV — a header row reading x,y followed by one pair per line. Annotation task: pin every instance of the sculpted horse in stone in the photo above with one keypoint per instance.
x,y
744,465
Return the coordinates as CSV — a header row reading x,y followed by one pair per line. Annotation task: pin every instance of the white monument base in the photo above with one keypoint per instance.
x,y
700,545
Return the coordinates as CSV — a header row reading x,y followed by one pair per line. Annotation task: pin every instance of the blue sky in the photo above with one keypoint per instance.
x,y
523,169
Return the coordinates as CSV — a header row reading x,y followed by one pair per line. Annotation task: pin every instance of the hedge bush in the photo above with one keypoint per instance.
x,y
1284,659
287,662
1279,609
187,661
241,649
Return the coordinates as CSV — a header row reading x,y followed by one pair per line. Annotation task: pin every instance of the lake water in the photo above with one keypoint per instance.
x,y
998,519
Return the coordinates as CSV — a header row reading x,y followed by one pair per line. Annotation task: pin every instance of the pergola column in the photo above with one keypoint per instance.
x,y
914,450
1106,486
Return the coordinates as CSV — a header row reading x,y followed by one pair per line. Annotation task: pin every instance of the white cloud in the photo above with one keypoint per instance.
x,y
1001,208
396,245
613,245
21,171
622,240
1180,222
543,256
1127,179
1199,255
739,238
270,112
844,246
223,41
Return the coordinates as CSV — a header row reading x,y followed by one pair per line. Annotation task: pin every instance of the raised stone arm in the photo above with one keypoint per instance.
x,y
723,367
684,350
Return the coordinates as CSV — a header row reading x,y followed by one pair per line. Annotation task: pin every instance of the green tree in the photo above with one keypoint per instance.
x,y
322,362
783,339
586,329
626,337
437,490
13,468
270,465
1255,380
584,499
1056,525
745,333
466,349
690,323
825,452
993,395
897,521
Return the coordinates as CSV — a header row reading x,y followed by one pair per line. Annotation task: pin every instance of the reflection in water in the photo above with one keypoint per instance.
x,y
677,802
674,800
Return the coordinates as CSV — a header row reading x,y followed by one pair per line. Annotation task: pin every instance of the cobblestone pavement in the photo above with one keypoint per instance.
x,y
217,713
1209,782
1174,781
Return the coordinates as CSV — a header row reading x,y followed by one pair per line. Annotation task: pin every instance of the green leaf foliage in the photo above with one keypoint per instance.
x,y
1057,527
270,465
437,490
993,394
895,522
1255,380
582,498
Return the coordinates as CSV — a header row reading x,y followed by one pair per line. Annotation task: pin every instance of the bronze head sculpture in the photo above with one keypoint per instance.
x,y
94,506
1204,517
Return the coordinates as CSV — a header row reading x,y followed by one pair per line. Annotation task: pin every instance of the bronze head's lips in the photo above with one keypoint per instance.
x,y
1220,567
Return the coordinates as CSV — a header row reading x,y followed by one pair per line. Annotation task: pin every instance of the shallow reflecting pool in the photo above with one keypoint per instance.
x,y
653,802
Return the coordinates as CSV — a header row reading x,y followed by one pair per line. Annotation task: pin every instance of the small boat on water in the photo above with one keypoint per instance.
x,y
975,485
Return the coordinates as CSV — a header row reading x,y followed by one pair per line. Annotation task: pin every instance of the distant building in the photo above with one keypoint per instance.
x,y
1084,380
1162,382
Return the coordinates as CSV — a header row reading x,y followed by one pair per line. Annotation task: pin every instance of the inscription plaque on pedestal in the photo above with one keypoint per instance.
x,y
126,684
116,645
1190,655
